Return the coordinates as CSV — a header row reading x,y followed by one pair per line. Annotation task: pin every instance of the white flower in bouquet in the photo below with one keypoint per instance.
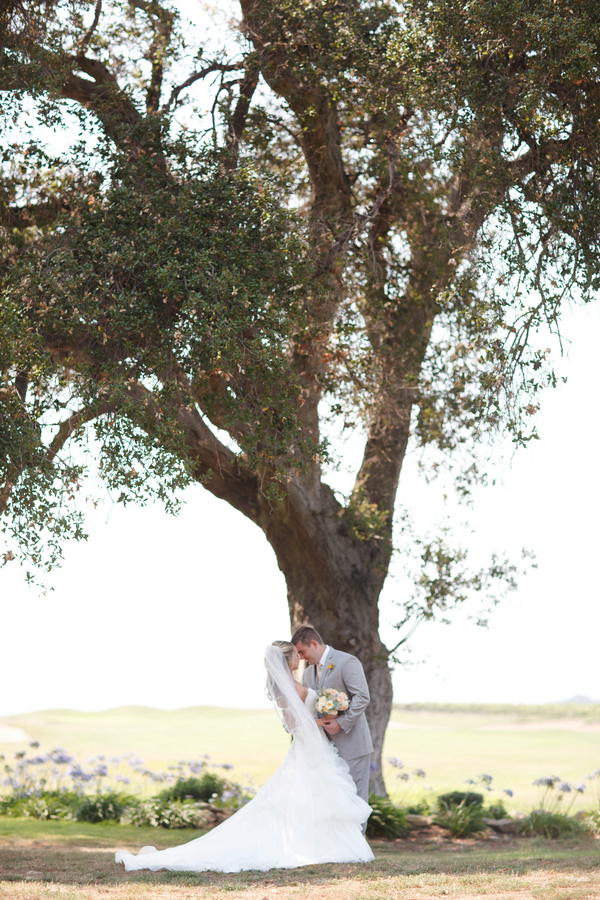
x,y
331,702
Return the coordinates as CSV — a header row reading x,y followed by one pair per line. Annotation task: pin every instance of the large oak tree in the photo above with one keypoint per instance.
x,y
394,204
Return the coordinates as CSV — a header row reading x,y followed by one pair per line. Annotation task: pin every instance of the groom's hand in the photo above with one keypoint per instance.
x,y
332,726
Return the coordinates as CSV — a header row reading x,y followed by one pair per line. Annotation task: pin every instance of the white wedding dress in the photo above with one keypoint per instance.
x,y
308,812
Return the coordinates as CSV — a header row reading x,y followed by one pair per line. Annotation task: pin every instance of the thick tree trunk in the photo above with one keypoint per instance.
x,y
334,580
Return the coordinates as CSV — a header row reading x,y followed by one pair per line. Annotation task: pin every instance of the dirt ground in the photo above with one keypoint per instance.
x,y
72,866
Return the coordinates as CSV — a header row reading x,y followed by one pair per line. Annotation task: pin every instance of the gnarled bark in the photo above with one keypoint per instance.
x,y
334,580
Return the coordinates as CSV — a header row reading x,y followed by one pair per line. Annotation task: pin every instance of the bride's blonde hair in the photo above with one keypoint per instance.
x,y
287,648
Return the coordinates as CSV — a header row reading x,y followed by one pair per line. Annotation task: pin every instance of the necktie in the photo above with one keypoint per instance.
x,y
319,670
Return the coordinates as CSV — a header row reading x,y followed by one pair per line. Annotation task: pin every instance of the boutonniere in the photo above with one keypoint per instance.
x,y
331,667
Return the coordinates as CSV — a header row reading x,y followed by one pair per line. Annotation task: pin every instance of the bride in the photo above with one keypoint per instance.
x,y
308,812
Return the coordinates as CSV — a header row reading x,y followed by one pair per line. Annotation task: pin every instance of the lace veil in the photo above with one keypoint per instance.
x,y
296,718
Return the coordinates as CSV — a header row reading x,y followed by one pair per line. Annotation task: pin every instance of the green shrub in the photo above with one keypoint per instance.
x,y
209,788
202,789
101,808
49,805
7,805
422,808
456,798
160,813
553,825
462,819
387,820
496,811
593,820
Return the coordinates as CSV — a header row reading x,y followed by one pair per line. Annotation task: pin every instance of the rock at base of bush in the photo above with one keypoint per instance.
x,y
416,821
504,826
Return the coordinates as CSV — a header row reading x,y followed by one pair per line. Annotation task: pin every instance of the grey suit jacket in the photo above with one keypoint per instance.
x,y
346,674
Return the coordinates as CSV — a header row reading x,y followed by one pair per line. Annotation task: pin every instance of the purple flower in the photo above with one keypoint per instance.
x,y
395,762
123,778
470,781
101,771
227,795
60,757
548,782
419,773
135,760
77,774
507,791
564,787
373,767
580,788
487,779
196,766
404,776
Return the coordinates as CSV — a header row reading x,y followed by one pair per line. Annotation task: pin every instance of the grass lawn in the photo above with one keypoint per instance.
x,y
72,861
252,739
451,745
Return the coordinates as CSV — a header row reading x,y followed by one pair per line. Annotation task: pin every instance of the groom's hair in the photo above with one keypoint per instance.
x,y
305,634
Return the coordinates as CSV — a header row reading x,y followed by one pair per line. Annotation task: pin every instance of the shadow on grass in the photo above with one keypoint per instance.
x,y
38,862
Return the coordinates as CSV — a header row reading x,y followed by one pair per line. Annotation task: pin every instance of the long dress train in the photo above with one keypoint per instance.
x,y
308,812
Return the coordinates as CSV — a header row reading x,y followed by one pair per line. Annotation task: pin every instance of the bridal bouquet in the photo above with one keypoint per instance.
x,y
330,702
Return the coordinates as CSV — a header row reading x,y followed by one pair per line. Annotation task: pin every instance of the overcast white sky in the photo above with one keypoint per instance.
x,y
173,612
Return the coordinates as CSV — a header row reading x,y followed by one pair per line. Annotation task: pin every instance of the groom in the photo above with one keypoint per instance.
x,y
349,730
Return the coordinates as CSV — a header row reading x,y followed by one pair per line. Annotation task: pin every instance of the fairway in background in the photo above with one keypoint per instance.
x,y
450,744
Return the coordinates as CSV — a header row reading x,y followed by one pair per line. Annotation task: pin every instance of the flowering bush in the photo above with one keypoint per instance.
x,y
553,825
394,767
167,814
51,805
209,788
54,785
554,792
551,819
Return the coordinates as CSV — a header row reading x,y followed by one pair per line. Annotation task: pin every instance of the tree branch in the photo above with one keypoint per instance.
x,y
361,220
237,122
39,214
196,76
215,466
161,20
89,33
74,423
103,97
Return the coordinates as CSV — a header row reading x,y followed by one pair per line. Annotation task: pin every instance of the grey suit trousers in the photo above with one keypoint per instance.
x,y
360,769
